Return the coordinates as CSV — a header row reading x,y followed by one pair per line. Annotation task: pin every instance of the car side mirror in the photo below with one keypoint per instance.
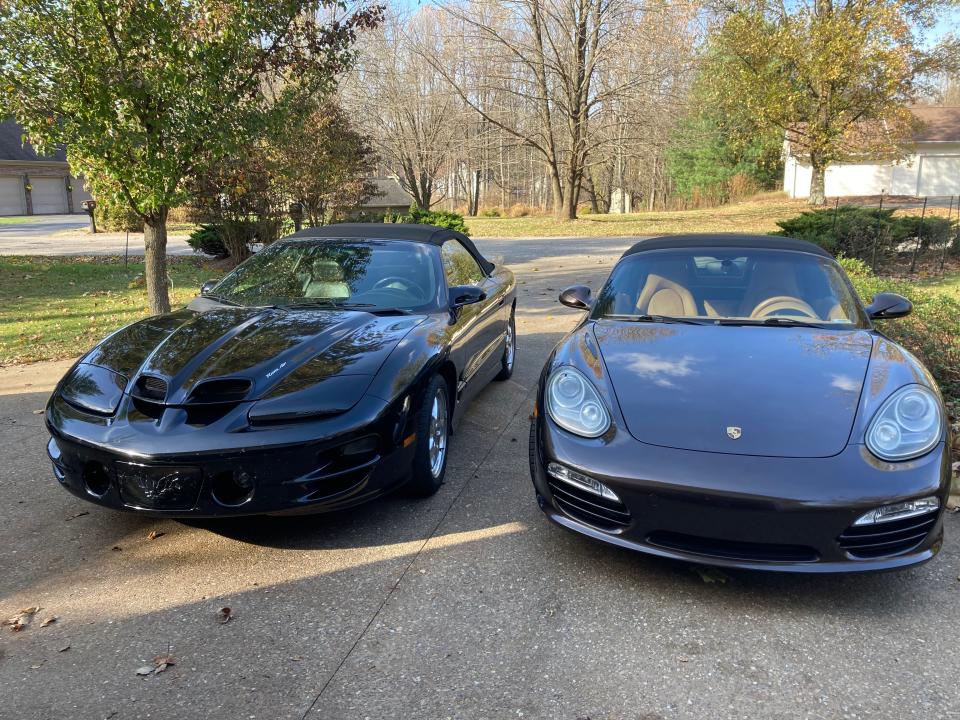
x,y
886,306
577,297
461,295
208,286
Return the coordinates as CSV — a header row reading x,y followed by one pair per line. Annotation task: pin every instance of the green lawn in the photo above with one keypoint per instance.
x,y
757,215
53,308
16,220
946,285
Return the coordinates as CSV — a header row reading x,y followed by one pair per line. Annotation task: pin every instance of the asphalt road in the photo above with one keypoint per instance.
x,y
69,235
465,605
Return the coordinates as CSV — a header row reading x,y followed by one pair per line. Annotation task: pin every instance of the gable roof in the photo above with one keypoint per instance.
x,y
726,240
389,194
937,123
13,148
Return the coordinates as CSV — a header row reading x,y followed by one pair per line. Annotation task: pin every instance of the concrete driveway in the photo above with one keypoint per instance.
x,y
70,235
465,605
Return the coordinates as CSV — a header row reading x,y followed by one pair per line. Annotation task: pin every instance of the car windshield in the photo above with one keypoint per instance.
x,y
370,275
735,286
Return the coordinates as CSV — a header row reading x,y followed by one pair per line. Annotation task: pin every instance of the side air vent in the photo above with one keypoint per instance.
x,y
227,390
887,538
151,388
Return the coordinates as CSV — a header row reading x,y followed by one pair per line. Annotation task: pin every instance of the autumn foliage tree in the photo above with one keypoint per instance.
x,y
147,95
836,76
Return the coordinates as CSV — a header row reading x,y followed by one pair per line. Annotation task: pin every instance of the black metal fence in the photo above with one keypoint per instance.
x,y
928,242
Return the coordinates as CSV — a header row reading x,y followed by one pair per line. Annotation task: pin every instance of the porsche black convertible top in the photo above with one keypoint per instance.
x,y
430,234
725,240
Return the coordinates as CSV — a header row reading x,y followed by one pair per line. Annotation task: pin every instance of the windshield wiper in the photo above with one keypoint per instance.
x,y
654,318
774,322
334,305
220,299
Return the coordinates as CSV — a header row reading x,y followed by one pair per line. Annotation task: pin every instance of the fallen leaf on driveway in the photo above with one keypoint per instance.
x,y
116,548
710,575
64,648
19,621
49,621
154,534
224,615
160,663
79,514
38,412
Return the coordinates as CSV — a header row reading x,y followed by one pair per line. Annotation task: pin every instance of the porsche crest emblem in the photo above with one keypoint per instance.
x,y
734,433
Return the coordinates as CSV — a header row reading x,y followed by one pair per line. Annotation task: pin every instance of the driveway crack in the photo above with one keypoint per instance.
x,y
473,471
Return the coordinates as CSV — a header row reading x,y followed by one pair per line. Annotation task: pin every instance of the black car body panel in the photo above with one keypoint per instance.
x,y
785,494
310,408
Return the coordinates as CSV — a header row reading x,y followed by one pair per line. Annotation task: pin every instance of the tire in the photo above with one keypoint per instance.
x,y
509,351
433,435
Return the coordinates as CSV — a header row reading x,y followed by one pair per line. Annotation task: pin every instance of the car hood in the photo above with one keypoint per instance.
x,y
746,390
269,351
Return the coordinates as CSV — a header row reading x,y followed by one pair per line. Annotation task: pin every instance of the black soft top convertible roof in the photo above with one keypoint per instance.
x,y
430,234
726,240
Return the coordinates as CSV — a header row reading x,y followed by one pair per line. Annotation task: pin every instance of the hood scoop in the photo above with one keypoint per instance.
x,y
224,390
150,388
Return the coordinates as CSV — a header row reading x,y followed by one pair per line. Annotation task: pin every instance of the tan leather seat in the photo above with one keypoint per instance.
x,y
663,296
720,308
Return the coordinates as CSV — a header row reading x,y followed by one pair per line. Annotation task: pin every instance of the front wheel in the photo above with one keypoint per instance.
x,y
433,435
509,350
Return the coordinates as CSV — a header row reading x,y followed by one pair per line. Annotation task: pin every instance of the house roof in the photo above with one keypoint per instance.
x,y
389,194
937,123
726,240
12,146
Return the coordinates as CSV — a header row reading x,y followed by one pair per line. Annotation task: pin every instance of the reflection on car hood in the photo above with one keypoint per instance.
x,y
276,350
786,392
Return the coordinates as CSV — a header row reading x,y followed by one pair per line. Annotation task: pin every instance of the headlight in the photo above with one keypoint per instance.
x,y
94,388
908,424
574,405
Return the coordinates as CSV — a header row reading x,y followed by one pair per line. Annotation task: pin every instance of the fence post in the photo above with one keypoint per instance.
x,y
916,250
836,209
880,210
946,245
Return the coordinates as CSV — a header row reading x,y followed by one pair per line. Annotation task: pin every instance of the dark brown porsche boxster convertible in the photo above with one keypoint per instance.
x,y
729,400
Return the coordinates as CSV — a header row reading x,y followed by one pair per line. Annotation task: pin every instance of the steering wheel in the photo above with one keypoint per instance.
x,y
776,305
407,285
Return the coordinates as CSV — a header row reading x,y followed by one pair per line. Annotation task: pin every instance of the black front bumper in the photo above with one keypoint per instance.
x,y
310,468
784,514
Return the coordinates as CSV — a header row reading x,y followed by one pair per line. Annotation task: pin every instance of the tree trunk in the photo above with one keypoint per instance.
x,y
155,255
817,181
557,188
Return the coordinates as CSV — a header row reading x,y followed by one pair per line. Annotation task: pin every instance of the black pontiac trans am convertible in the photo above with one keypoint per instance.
x,y
729,400
322,372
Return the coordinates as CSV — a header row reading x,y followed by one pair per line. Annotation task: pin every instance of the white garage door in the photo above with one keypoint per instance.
x,y
940,175
49,196
11,195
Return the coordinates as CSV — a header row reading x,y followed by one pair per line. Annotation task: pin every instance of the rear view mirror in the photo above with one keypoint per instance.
x,y
577,297
886,306
208,286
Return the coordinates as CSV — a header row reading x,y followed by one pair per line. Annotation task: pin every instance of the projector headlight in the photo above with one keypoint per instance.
x,y
907,425
574,404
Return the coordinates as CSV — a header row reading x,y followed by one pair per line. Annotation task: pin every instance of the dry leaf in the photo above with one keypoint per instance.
x,y
64,648
49,621
160,663
38,412
19,621
710,575
146,670
79,514
224,615
154,534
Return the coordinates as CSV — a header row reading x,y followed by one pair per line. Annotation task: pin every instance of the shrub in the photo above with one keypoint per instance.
x,y
860,232
931,331
440,218
116,217
519,210
208,239
490,212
